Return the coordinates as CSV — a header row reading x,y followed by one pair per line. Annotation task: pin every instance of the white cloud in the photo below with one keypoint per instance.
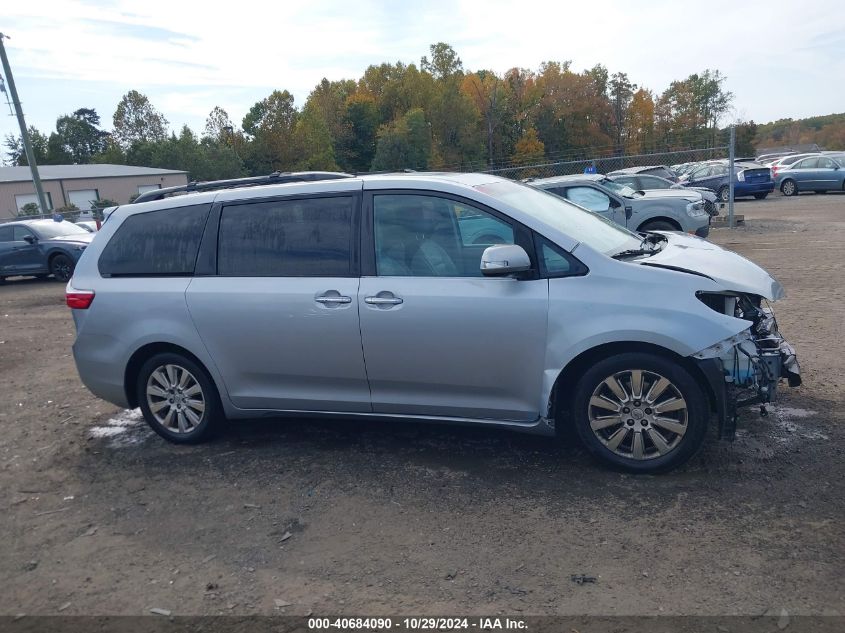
x,y
190,56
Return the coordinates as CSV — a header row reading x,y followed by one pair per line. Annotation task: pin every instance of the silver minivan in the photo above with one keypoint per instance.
x,y
458,298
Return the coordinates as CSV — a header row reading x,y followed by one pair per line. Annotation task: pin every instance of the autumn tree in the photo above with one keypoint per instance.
x,y
529,148
640,122
136,120
486,92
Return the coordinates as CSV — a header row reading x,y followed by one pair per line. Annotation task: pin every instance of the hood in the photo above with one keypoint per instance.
x,y
686,194
729,269
707,194
76,238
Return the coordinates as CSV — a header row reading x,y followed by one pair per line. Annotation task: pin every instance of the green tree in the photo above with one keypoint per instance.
x,y
313,144
77,138
404,144
269,126
621,92
136,120
15,154
30,208
444,62
362,117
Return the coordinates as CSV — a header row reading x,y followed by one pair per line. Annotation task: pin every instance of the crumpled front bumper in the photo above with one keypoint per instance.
x,y
745,370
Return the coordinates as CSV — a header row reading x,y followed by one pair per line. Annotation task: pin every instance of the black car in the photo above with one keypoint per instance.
x,y
40,248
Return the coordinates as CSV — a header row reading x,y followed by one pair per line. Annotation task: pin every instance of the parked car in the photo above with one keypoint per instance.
x,y
655,210
40,248
361,297
787,161
88,225
812,173
649,170
752,179
647,182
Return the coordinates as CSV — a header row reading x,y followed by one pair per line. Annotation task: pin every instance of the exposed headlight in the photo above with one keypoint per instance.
x,y
696,208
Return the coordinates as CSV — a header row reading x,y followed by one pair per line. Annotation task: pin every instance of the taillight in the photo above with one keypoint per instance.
x,y
79,299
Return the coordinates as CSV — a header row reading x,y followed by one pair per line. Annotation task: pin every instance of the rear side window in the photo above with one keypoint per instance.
x,y
309,237
157,243
6,233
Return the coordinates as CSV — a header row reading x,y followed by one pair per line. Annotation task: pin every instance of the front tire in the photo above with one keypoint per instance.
x,y
788,188
761,196
61,267
724,194
178,399
640,412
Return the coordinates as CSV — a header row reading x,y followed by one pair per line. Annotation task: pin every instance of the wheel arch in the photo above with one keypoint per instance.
x,y
145,352
564,385
660,218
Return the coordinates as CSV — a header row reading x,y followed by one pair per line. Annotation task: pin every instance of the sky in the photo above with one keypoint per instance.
x,y
782,58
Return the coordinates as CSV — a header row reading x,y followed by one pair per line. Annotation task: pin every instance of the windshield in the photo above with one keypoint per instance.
x,y
618,188
579,224
47,230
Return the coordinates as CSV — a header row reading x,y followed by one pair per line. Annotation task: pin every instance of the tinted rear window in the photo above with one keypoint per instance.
x,y
156,243
309,237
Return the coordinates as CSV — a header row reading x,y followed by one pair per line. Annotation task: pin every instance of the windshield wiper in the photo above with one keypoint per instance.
x,y
633,252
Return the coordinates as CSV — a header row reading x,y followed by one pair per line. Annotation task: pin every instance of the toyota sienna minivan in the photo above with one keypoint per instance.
x,y
457,298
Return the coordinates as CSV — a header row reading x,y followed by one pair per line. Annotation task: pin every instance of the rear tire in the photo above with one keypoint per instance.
x,y
61,267
658,225
788,188
178,398
761,196
640,412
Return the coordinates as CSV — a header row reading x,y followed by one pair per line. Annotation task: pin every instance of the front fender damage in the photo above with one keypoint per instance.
x,y
745,369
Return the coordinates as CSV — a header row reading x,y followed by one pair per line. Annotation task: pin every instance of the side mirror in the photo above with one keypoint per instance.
x,y
29,239
504,259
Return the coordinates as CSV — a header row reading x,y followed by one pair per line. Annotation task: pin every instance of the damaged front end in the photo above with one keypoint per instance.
x,y
746,369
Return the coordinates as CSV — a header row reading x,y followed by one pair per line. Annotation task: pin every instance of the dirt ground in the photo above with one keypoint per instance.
x,y
100,516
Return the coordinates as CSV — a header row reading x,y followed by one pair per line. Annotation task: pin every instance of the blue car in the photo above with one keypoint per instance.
x,y
751,180
40,248
814,173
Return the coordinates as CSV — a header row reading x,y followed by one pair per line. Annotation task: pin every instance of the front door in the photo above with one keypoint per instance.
x,y
17,255
439,338
280,318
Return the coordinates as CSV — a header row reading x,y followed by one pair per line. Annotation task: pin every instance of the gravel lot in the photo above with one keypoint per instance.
x,y
100,516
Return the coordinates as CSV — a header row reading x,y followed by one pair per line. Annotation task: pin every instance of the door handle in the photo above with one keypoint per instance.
x,y
383,301
332,299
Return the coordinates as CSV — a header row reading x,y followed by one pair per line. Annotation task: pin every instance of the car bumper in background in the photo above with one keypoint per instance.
x,y
750,188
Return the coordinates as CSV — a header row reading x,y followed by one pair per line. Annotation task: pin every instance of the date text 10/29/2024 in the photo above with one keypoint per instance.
x,y
417,624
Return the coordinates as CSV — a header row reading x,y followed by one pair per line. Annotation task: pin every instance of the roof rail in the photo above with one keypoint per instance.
x,y
275,178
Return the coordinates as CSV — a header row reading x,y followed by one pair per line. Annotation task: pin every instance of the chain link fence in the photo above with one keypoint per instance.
x,y
605,164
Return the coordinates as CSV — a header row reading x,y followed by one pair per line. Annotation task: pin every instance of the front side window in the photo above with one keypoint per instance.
x,y
653,182
156,243
592,229
628,181
427,236
825,163
309,237
21,233
589,198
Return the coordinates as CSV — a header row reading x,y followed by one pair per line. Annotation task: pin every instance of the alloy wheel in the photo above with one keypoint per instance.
x,y
175,398
638,414
788,188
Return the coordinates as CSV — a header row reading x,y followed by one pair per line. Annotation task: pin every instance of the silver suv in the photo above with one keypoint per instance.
x,y
650,210
460,298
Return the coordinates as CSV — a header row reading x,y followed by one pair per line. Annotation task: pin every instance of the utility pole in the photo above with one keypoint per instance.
x,y
731,177
27,146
